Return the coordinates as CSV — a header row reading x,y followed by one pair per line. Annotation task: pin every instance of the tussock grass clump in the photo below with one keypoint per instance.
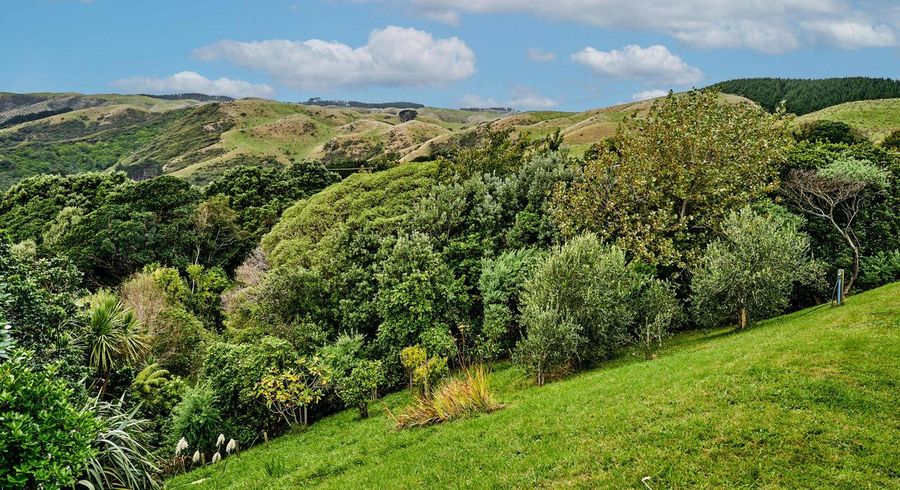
x,y
456,398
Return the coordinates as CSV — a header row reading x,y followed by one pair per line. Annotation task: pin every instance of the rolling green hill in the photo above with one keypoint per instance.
x,y
874,118
808,400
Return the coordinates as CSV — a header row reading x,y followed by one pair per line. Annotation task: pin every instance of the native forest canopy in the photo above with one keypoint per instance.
x,y
207,292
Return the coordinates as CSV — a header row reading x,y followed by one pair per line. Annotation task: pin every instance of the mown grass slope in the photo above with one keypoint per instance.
x,y
808,400
874,118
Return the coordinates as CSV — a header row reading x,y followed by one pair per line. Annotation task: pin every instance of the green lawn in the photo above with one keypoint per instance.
x,y
809,400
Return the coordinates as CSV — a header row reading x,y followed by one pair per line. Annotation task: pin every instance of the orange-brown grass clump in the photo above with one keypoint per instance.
x,y
456,398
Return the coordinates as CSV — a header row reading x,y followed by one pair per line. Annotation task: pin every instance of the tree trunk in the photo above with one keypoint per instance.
x,y
855,274
363,410
105,383
744,318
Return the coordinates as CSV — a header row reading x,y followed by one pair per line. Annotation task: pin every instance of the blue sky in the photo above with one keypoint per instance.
x,y
530,54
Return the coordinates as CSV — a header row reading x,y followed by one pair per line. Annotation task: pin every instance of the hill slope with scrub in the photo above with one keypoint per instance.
x,y
807,400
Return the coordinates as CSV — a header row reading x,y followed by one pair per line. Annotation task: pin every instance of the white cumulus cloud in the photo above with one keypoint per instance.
x,y
771,26
652,64
541,56
190,81
649,94
852,34
392,56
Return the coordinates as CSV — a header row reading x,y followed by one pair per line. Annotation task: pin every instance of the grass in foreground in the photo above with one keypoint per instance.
x,y
808,400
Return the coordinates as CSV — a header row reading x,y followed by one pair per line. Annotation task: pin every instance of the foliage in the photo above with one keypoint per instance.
x,y
361,385
44,440
121,457
836,193
260,193
500,286
112,335
674,176
290,392
233,372
803,96
456,398
881,268
40,305
411,358
829,132
749,273
418,298
197,418
178,341
892,141
382,200
487,151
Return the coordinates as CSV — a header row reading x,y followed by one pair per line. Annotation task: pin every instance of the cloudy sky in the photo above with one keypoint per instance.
x,y
529,54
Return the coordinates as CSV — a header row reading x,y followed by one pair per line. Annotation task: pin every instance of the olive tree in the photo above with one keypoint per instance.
x,y
749,273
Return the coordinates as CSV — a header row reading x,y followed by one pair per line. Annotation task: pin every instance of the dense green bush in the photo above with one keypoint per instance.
x,y
501,282
418,297
178,340
45,442
360,386
233,371
749,274
829,132
892,141
197,418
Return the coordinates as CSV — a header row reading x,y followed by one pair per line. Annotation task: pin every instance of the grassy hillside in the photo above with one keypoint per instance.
x,y
808,400
874,118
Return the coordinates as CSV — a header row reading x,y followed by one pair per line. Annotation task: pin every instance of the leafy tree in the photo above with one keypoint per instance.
x,y
178,341
749,273
45,442
589,286
836,193
361,385
551,345
113,336
290,392
260,193
658,310
674,175
500,285
218,239
418,298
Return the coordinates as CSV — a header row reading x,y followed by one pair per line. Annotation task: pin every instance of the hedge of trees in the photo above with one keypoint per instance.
x,y
204,320
803,96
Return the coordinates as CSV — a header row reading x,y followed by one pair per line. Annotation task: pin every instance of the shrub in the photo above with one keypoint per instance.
x,y
551,344
45,442
178,340
233,371
361,385
289,392
829,132
658,309
500,285
197,418
750,272
424,372
122,457
881,268
457,398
